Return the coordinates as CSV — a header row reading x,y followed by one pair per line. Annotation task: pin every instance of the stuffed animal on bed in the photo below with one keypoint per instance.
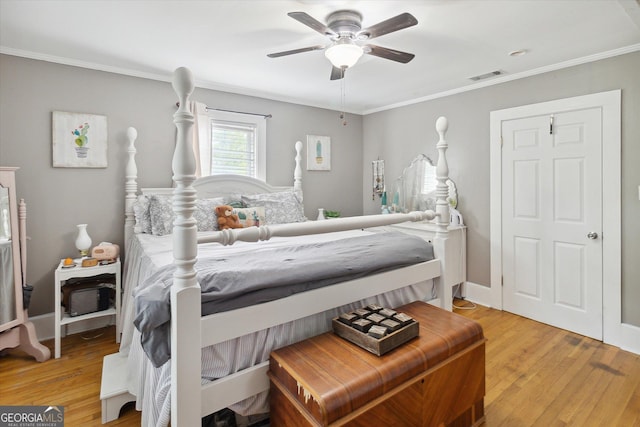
x,y
226,218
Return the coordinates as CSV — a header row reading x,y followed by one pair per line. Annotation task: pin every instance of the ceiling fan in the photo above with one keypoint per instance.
x,y
348,38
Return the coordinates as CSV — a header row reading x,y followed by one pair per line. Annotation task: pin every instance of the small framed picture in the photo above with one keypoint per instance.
x,y
79,140
318,153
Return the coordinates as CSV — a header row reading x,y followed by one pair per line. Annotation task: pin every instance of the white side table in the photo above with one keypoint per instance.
x,y
456,266
62,318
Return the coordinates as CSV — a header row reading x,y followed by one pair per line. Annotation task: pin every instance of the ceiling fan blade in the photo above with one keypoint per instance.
x,y
312,23
337,73
386,53
404,20
294,51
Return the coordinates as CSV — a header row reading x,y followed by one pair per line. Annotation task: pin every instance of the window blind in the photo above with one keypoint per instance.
x,y
233,148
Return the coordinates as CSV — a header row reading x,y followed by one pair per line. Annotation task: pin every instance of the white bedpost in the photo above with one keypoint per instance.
x,y
297,172
185,292
442,175
130,186
443,217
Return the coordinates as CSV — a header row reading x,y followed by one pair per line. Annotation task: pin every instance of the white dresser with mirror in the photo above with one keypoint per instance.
x,y
15,328
414,190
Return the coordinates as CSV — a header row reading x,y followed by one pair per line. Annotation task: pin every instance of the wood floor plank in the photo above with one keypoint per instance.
x,y
621,386
631,414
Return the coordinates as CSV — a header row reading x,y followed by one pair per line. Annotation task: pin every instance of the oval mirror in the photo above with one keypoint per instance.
x,y
415,189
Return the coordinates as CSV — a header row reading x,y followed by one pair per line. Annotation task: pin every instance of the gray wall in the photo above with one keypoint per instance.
x,y
59,198
398,135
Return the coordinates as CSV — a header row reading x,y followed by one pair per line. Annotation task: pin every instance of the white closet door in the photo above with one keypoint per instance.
x,y
552,219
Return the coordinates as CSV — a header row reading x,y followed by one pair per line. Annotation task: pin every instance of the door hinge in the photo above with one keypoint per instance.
x,y
551,125
501,280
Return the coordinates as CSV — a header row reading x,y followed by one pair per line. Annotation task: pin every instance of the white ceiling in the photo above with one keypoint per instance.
x,y
225,43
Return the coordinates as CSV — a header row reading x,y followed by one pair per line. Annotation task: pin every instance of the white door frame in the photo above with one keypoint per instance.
x,y
609,102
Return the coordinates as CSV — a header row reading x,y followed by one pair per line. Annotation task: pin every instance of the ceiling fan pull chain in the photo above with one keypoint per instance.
x,y
343,97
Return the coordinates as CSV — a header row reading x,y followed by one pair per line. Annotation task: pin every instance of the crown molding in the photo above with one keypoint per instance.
x,y
252,92
510,77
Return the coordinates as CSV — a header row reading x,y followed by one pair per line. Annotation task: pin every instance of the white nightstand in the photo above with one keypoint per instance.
x,y
457,240
456,249
64,274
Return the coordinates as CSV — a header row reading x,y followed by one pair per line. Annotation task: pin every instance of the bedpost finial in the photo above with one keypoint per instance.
x,y
182,81
298,145
132,133
442,124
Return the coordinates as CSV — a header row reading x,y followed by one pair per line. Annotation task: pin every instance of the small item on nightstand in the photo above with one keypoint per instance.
x,y
89,262
68,263
105,251
83,241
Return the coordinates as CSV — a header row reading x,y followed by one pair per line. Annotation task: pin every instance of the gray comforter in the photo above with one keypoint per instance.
x,y
263,275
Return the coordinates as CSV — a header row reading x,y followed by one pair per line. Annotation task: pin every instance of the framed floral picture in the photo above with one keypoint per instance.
x,y
318,153
79,140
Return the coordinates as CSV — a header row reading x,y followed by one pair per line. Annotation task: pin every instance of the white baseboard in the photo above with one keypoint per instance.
x,y
477,293
45,325
630,338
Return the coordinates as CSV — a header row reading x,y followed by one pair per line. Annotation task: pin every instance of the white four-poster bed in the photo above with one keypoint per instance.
x,y
191,398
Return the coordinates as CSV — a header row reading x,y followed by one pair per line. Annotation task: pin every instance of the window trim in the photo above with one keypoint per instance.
x,y
260,124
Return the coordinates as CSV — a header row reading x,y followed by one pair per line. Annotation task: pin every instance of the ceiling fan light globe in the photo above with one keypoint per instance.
x,y
343,55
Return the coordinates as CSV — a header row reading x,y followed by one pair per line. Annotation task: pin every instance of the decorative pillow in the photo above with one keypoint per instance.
x,y
251,217
234,200
235,204
162,217
161,213
280,208
142,215
205,214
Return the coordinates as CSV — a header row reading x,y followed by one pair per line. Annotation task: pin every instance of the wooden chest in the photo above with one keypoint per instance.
x,y
435,379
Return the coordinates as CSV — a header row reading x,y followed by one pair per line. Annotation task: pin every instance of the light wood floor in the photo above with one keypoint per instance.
x,y
72,381
536,375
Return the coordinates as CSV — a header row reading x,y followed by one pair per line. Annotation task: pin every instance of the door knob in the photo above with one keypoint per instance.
x,y
592,235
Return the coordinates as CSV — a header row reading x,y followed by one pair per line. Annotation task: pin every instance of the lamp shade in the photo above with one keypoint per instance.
x,y
344,54
83,241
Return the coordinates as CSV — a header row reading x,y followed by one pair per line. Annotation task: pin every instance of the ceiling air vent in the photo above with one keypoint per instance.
x,y
486,75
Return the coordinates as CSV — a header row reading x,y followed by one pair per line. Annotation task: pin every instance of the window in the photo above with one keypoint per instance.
x,y
235,143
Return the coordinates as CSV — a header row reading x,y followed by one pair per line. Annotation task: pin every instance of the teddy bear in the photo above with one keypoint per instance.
x,y
226,218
